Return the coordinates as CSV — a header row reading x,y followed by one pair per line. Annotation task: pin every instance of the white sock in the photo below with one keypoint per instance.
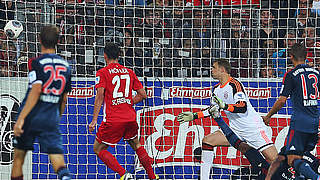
x,y
207,160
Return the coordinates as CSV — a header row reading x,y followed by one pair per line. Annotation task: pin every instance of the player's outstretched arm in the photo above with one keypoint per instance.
x,y
63,103
186,117
141,95
190,116
275,108
32,100
97,106
239,107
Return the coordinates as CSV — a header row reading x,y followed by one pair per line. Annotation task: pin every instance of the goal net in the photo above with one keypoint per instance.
x,y
170,45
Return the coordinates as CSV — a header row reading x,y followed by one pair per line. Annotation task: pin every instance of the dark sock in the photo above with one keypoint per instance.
x,y
230,135
63,172
256,160
17,178
313,161
302,167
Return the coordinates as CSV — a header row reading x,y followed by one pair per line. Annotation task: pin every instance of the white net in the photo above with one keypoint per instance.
x,y
170,45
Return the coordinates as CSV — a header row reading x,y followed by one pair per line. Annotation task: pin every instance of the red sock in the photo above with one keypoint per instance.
x,y
17,178
111,162
145,161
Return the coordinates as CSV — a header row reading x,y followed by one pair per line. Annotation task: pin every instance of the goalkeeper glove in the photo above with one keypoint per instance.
x,y
186,117
214,111
221,104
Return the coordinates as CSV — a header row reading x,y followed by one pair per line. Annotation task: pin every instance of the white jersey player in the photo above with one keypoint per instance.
x,y
245,122
243,119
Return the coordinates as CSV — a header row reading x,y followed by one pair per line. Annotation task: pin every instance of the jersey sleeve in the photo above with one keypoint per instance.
x,y
136,83
30,64
68,87
287,86
100,80
239,97
36,75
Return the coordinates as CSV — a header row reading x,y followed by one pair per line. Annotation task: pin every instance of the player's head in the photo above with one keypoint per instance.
x,y
221,67
298,52
111,51
49,36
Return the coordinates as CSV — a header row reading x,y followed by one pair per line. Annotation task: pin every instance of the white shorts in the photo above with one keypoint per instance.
x,y
259,139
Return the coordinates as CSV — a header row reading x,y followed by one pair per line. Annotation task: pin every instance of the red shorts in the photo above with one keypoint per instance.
x,y
111,132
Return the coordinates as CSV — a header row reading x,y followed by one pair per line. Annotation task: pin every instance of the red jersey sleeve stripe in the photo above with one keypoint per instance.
x,y
240,104
237,84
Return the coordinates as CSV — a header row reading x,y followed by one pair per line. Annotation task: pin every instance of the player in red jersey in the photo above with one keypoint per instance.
x,y
114,86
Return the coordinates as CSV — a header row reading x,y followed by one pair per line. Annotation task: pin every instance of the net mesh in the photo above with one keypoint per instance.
x,y
170,45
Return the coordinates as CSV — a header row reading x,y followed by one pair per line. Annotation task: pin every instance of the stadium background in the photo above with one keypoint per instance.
x,y
170,45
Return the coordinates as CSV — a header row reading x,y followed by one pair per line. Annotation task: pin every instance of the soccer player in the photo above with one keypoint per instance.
x,y
42,107
114,86
245,122
284,171
301,84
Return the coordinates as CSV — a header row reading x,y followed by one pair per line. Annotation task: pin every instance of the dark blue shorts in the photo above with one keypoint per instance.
x,y
300,142
50,142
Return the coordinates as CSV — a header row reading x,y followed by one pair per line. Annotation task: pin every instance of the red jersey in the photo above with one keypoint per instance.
x,y
118,82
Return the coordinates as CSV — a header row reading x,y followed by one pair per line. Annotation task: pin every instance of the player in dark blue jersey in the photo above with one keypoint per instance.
x,y
302,86
286,172
42,107
258,163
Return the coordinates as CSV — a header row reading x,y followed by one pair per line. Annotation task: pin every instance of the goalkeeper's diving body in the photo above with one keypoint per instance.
x,y
246,125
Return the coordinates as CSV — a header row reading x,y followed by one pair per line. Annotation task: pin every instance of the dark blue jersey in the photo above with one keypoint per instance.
x,y
286,172
302,85
54,74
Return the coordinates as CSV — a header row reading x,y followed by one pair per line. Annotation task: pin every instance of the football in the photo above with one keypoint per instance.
x,y
13,29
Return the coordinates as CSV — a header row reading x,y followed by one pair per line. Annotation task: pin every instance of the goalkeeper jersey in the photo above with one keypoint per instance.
x,y
118,82
232,92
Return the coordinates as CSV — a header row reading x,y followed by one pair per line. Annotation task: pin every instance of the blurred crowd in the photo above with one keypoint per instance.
x,y
170,38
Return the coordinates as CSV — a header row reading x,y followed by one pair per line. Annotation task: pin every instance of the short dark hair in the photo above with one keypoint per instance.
x,y
112,50
224,63
298,51
49,36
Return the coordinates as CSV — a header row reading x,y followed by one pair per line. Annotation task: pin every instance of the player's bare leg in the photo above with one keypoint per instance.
x,y
143,156
108,158
274,166
216,138
270,153
97,147
58,164
134,143
57,161
18,160
208,143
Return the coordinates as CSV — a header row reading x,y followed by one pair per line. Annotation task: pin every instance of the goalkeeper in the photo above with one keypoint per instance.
x,y
245,122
